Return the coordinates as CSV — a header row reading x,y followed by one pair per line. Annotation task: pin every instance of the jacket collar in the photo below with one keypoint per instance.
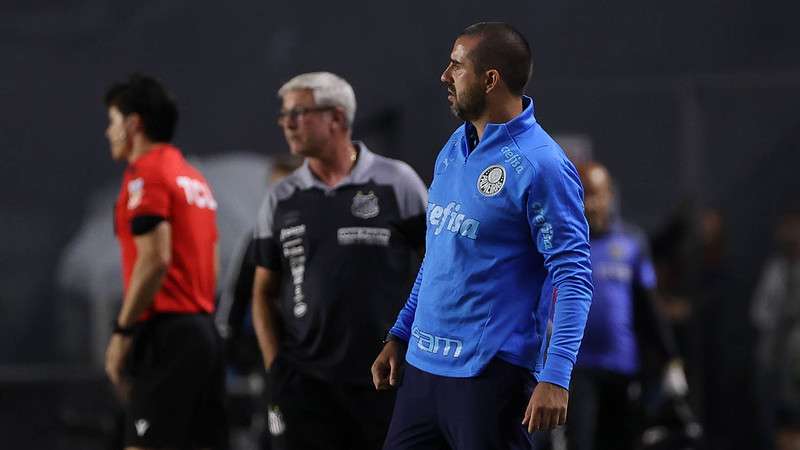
x,y
359,174
513,127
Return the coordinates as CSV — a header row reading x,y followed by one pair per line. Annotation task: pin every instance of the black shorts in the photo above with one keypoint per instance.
x,y
176,374
311,414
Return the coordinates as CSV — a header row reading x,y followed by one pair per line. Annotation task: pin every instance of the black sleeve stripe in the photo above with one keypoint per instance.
x,y
144,224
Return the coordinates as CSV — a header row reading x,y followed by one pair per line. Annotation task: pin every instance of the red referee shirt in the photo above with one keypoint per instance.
x,y
161,183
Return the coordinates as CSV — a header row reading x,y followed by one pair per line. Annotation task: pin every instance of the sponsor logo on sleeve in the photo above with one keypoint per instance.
x,y
545,229
135,192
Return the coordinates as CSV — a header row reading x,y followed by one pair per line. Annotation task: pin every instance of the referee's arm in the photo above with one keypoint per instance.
x,y
153,242
266,286
153,254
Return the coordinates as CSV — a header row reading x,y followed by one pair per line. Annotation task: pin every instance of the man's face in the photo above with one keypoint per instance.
x,y
597,197
465,88
117,135
306,127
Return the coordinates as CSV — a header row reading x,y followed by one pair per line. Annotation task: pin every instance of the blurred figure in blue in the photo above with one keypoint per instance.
x,y
626,340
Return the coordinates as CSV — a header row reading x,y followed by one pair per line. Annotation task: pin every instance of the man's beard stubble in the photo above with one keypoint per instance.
x,y
469,105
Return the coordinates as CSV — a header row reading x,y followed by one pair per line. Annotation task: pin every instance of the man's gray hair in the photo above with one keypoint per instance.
x,y
328,90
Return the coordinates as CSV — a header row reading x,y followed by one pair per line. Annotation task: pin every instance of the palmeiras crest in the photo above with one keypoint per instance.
x,y
492,180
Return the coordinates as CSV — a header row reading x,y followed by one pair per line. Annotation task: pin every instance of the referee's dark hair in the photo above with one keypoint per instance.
x,y
504,49
147,97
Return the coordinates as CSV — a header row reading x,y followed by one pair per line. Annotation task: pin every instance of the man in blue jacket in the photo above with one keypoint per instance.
x,y
505,218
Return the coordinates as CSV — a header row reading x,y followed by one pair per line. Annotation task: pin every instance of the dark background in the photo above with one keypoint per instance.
x,y
687,102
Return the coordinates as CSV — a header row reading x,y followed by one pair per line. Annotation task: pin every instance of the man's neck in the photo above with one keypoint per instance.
x,y
598,230
335,164
498,111
141,146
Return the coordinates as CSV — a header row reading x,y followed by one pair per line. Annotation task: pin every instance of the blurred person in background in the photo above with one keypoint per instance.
x,y
234,315
333,248
776,316
626,338
165,356
235,320
697,293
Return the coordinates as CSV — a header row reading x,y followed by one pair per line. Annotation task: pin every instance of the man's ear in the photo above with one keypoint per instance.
x,y
133,123
492,80
340,118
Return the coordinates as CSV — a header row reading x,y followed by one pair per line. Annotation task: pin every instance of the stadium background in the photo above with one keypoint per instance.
x,y
691,104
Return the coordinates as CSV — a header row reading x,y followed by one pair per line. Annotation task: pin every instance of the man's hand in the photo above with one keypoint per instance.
x,y
547,408
266,288
388,366
117,350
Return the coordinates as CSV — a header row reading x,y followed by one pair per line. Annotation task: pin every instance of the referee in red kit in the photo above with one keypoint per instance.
x,y
165,356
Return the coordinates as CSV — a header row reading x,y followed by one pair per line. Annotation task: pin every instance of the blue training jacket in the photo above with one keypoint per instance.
x,y
502,220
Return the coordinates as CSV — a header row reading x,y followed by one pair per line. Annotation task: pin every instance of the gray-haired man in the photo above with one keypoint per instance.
x,y
333,248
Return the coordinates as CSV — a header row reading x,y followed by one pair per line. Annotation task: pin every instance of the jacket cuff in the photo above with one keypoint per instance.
x,y
557,370
399,334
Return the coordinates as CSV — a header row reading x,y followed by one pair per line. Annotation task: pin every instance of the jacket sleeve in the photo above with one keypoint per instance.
x,y
402,327
266,246
559,229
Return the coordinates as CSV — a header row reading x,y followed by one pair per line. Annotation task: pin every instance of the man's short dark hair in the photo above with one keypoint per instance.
x,y
147,97
504,49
